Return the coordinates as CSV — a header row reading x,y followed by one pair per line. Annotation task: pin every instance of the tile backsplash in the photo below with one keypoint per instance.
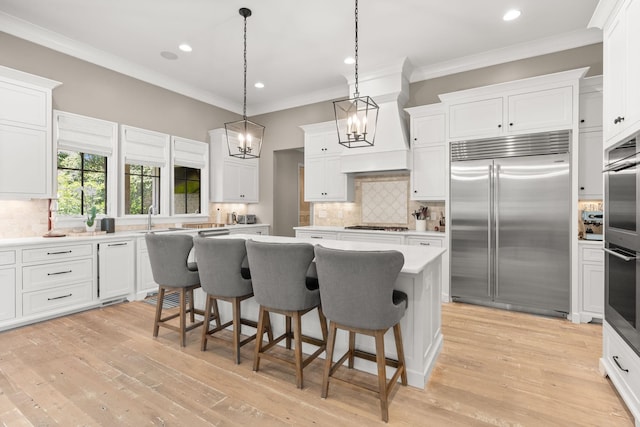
x,y
372,189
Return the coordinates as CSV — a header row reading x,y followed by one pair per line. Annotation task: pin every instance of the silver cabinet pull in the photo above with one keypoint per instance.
x,y
60,297
619,255
117,244
59,253
59,272
316,237
425,244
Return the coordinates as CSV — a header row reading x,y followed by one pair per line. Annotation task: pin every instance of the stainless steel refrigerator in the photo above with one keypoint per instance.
x,y
510,222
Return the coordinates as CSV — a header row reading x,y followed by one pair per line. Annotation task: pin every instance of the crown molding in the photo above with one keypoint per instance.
x,y
52,40
321,95
511,53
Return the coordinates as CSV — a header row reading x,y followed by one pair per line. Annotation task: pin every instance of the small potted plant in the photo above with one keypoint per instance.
x,y
91,210
90,224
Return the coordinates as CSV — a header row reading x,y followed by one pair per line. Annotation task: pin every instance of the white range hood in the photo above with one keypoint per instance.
x,y
390,90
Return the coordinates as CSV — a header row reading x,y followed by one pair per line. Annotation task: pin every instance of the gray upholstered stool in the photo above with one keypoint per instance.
x,y
220,263
278,272
357,295
169,255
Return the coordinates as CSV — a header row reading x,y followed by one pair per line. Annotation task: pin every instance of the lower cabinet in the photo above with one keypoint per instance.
x,y
144,276
591,282
425,241
258,229
392,239
310,234
8,292
116,269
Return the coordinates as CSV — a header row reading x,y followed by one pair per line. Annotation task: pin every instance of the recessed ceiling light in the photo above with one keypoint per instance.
x,y
259,85
349,60
511,15
185,47
168,55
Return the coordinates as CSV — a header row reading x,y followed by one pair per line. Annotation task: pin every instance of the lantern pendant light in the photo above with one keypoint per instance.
x,y
357,117
244,137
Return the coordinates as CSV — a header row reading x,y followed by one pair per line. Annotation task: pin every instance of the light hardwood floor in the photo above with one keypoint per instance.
x,y
102,367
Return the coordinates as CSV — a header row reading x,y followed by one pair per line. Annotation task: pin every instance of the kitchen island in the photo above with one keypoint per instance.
x,y
420,279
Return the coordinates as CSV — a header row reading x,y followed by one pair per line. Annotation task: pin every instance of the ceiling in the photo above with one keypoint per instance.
x,y
295,47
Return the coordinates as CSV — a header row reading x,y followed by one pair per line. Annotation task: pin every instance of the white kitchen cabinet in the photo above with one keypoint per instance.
x,y
317,234
116,269
8,292
233,180
323,179
591,281
621,38
262,230
144,276
590,112
590,178
380,237
57,279
517,113
26,155
429,157
425,241
429,172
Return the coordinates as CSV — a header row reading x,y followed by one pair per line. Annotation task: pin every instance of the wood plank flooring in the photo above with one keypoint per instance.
x,y
102,367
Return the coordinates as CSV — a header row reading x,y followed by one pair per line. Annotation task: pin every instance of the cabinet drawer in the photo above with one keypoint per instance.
x,y
7,257
51,299
316,235
420,241
59,273
593,255
55,253
627,367
372,237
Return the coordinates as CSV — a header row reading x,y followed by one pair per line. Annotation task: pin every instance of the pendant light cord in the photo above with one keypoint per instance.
x,y
244,102
357,93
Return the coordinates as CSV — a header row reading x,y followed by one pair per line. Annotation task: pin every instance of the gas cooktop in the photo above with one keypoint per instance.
x,y
375,228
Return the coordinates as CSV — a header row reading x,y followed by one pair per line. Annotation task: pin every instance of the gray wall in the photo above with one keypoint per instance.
x,y
98,92
285,184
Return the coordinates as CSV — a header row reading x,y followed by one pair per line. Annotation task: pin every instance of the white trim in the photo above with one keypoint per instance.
x,y
603,13
511,53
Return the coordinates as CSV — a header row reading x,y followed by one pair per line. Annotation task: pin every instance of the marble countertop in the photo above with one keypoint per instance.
x,y
320,228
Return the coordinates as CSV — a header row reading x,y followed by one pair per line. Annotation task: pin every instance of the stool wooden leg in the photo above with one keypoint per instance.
x,y
352,348
397,333
331,342
382,375
297,337
183,317
216,312
159,302
235,302
192,314
323,324
268,328
288,332
256,354
205,324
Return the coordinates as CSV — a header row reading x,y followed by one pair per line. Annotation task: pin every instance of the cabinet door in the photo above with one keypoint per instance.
x,y
428,130
144,283
541,110
632,72
231,182
429,173
314,179
22,106
322,143
590,115
590,166
116,269
335,180
8,292
476,119
24,163
248,183
593,288
613,77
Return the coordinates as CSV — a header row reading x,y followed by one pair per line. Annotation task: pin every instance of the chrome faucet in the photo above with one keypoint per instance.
x,y
149,217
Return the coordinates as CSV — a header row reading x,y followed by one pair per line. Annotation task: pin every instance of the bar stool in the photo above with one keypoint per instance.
x,y
168,254
356,288
278,272
220,265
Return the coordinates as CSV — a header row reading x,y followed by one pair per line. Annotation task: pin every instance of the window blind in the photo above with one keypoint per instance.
x,y
144,147
85,134
189,153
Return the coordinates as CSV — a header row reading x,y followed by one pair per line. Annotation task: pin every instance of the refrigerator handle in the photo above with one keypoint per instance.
x,y
496,214
489,209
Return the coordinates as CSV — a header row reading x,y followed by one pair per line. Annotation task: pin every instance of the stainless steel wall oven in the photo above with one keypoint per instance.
x,y
622,242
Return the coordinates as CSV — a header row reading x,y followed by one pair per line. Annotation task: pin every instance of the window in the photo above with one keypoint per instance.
x,y
186,190
141,189
78,171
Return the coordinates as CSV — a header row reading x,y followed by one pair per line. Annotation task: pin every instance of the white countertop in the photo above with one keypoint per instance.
x,y
125,234
590,242
416,258
347,230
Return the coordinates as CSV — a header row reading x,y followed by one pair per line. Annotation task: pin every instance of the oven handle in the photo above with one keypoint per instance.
x,y
620,166
619,255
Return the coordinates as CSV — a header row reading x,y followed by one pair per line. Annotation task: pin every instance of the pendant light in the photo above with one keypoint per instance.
x,y
357,117
244,137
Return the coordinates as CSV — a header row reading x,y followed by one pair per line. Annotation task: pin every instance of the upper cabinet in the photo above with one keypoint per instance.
x,y
26,155
590,163
622,73
429,154
233,180
323,179
519,113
